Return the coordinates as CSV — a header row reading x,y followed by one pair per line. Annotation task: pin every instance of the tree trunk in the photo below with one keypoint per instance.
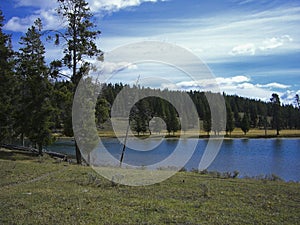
x,y
22,140
40,149
89,159
78,154
266,130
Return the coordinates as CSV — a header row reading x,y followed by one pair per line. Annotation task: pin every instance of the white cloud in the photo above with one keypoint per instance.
x,y
289,97
109,6
215,85
245,49
110,68
47,12
49,18
95,5
36,3
216,37
275,42
17,24
232,80
267,44
237,85
273,85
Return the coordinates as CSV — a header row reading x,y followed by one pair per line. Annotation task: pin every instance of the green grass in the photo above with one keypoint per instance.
x,y
44,191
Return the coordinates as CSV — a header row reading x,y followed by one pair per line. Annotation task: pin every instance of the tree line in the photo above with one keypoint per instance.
x,y
241,112
36,97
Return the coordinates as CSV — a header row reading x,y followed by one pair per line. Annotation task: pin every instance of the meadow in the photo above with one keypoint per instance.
x,y
42,190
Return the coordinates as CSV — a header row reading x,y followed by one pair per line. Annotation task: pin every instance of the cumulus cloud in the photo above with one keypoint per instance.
x,y
95,5
232,80
267,44
237,85
17,24
289,97
218,84
273,85
49,18
115,5
275,42
244,49
46,10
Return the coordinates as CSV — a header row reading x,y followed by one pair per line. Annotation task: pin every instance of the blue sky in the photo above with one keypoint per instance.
x,y
251,46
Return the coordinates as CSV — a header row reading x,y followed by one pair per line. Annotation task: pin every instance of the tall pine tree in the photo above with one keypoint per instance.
x,y
245,123
229,120
276,112
7,86
80,36
34,107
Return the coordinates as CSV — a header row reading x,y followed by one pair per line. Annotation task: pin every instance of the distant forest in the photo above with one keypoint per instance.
x,y
241,112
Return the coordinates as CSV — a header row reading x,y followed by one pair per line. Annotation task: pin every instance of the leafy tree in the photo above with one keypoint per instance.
x,y
245,124
7,85
35,109
79,36
276,112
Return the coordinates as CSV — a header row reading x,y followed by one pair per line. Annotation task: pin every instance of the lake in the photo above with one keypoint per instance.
x,y
251,157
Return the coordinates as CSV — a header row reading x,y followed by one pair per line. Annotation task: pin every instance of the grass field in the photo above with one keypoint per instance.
x,y
237,133
41,190
107,131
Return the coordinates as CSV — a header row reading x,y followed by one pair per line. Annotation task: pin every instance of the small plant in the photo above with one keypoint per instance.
x,y
183,169
273,177
215,174
194,170
235,174
203,172
116,180
205,190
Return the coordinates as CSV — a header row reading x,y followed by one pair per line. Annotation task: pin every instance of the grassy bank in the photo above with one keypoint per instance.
x,y
237,133
37,190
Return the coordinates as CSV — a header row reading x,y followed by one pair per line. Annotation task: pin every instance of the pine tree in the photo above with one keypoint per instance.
x,y
35,109
245,124
172,120
80,36
297,101
7,86
230,120
276,112
102,110
207,122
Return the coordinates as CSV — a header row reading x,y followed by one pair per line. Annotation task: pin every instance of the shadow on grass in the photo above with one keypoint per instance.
x,y
15,155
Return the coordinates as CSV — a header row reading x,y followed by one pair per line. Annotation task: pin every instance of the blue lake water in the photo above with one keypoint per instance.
x,y
251,157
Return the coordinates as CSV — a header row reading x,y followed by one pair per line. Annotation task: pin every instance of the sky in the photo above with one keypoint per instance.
x,y
252,47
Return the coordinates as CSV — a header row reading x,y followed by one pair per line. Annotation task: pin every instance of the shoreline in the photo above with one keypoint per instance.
x,y
233,174
225,137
